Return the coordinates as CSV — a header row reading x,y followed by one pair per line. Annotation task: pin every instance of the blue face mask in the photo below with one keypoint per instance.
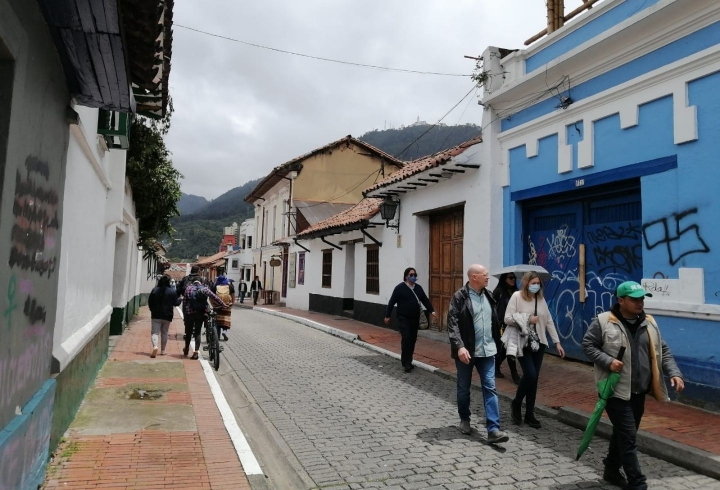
x,y
534,288
412,279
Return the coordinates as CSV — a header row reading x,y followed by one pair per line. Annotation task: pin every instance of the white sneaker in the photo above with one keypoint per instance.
x,y
154,352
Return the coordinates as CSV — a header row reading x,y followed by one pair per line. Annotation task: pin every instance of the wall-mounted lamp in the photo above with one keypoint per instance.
x,y
388,209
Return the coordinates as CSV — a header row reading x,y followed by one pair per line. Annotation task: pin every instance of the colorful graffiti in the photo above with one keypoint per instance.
x,y
680,239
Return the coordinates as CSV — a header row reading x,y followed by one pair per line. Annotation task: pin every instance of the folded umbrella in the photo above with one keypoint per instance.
x,y
606,388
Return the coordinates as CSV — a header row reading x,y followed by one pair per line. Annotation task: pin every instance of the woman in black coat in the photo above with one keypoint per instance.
x,y
507,285
411,302
162,302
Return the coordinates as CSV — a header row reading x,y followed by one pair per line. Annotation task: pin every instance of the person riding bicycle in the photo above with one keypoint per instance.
x,y
195,296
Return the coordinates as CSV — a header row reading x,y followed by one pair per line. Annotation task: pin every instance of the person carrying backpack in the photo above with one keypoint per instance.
x,y
225,290
195,297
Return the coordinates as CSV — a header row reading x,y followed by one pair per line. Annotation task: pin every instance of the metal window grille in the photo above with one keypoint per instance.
x,y
327,269
372,276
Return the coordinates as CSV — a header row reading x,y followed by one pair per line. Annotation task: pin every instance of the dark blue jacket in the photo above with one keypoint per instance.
x,y
162,302
407,303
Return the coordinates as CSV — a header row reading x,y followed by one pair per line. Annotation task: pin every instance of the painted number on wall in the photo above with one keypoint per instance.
x,y
579,182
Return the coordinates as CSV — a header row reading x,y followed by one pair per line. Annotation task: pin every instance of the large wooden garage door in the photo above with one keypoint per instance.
x,y
446,261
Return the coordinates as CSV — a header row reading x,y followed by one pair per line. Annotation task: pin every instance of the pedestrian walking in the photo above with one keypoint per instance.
x,y
528,319
195,303
472,316
507,285
646,360
225,290
242,290
411,302
255,288
162,302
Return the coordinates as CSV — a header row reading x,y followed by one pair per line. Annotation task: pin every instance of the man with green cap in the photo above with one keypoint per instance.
x,y
641,369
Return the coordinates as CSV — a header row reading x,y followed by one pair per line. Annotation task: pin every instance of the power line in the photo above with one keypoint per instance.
x,y
320,58
438,122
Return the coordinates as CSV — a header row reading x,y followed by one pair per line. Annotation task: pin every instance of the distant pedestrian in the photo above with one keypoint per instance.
x,y
411,302
195,305
471,319
528,315
242,290
162,302
225,290
255,288
507,285
647,358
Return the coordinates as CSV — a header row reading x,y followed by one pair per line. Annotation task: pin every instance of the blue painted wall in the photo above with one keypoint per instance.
x,y
682,48
25,441
680,207
604,22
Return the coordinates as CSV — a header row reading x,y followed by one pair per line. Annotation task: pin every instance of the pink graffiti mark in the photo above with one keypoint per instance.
x,y
34,331
542,257
49,242
26,286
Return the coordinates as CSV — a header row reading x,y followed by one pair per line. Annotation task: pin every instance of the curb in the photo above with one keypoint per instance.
x,y
687,457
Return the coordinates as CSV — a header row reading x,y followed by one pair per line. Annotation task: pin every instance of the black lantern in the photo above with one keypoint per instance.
x,y
387,211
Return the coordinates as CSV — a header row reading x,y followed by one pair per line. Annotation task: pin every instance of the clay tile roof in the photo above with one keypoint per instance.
x,y
353,218
283,170
417,166
207,261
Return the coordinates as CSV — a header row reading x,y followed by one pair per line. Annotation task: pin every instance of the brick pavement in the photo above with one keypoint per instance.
x,y
562,384
201,457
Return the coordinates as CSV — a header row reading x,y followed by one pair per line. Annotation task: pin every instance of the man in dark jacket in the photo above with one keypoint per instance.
x,y
627,325
162,302
255,288
411,302
471,319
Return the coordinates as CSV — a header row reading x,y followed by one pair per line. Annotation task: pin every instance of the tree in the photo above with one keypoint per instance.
x,y
155,182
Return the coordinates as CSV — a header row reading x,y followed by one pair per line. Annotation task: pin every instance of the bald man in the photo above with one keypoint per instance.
x,y
471,319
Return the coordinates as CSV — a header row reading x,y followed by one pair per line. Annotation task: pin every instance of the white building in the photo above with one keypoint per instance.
x,y
240,262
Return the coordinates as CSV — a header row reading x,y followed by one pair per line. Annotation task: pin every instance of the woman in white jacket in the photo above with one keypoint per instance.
x,y
529,302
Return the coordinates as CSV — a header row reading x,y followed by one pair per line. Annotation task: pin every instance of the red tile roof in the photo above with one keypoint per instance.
x,y
417,166
355,218
296,164
208,261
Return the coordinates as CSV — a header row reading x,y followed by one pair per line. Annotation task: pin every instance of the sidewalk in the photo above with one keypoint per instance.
x,y
566,387
148,424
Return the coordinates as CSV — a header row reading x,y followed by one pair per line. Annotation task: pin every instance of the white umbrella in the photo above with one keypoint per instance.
x,y
521,269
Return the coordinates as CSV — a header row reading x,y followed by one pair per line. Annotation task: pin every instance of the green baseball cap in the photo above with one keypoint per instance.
x,y
632,289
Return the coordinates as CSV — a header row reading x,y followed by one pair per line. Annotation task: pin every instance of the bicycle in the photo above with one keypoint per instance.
x,y
212,338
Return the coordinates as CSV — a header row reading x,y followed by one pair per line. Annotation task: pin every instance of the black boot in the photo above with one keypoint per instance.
x,y
614,477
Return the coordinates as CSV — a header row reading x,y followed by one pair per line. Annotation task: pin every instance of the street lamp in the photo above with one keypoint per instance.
x,y
388,208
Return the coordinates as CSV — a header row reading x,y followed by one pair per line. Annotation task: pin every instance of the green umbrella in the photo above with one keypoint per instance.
x,y
605,388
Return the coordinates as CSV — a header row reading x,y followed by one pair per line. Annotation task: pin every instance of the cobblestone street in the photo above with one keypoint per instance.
x,y
355,419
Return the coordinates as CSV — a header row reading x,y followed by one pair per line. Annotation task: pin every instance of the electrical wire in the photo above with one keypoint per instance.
x,y
320,58
456,124
438,122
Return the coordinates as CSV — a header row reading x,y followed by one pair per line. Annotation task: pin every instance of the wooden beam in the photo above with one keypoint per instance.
x,y
434,181
454,170
417,183
440,176
467,165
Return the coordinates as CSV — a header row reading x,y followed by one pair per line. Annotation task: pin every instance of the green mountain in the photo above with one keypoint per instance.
x,y
189,203
404,144
199,231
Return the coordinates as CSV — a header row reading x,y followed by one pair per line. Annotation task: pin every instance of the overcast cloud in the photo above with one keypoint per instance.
x,y
240,111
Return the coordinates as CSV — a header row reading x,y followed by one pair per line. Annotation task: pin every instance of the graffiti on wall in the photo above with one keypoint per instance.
x,y
615,247
561,245
33,261
678,236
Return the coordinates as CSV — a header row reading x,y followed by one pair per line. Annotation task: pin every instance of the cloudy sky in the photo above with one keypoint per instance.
x,y
240,111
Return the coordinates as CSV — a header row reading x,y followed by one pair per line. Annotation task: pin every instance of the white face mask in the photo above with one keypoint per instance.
x,y
534,288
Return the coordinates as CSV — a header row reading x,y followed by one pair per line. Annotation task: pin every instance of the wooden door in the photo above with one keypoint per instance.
x,y
446,261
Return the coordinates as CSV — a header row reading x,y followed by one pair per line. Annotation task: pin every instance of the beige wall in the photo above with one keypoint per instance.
x,y
331,176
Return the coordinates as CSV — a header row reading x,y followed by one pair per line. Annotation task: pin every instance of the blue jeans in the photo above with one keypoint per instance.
x,y
486,369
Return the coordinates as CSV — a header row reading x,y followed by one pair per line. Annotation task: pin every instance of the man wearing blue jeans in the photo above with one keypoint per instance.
x,y
471,318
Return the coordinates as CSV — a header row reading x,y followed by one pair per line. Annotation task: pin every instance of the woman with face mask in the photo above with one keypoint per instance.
x,y
411,302
530,303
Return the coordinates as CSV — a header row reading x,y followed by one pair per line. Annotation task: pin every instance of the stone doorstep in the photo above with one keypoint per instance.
x,y
682,455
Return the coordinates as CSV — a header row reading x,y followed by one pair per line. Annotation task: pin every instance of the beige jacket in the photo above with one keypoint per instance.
x,y
545,325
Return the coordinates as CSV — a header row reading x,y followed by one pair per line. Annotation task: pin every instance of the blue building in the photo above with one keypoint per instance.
x,y
606,138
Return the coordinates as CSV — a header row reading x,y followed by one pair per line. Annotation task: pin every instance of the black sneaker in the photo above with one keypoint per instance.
x,y
225,337
499,374
515,412
614,477
408,369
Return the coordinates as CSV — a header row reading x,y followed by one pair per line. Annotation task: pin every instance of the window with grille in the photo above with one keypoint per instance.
x,y
234,264
327,269
372,273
